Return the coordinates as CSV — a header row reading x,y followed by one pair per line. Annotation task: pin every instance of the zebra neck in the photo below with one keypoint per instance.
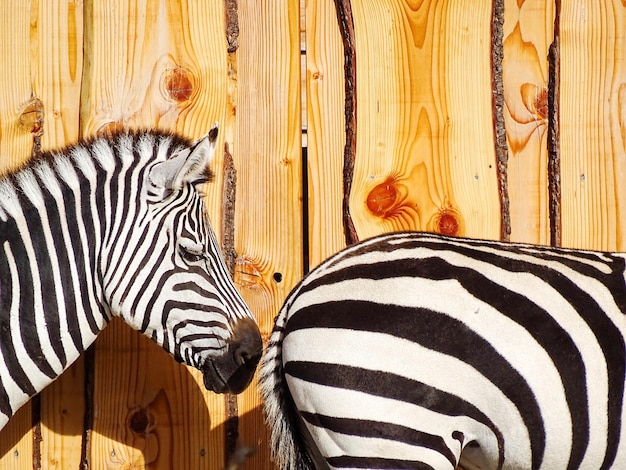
x,y
50,308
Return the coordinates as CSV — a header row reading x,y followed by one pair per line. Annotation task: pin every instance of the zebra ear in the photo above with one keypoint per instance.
x,y
188,165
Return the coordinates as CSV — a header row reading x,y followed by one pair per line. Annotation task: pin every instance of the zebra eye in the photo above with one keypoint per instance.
x,y
192,254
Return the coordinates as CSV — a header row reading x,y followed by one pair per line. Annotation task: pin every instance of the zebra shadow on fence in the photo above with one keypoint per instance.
x,y
124,404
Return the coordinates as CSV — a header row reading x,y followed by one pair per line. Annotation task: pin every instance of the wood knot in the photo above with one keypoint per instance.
x,y
541,103
382,199
535,99
110,128
246,273
447,222
178,84
31,117
140,422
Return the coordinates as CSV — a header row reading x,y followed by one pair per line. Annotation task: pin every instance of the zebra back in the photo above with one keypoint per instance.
x,y
413,350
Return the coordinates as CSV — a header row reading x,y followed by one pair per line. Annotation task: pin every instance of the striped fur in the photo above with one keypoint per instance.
x,y
416,350
115,227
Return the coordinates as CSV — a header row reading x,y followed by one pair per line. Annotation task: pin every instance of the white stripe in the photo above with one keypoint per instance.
x,y
37,378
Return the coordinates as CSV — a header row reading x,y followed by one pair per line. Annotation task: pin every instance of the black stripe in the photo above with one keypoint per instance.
x,y
67,286
86,271
346,461
65,263
381,430
11,235
27,310
7,349
47,282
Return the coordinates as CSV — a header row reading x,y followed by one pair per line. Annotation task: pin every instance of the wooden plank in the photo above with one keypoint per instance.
x,y
326,130
16,142
528,33
62,419
425,157
57,58
151,413
593,124
267,156
154,64
16,84
16,441
58,68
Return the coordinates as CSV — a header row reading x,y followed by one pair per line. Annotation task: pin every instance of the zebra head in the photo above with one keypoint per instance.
x,y
164,273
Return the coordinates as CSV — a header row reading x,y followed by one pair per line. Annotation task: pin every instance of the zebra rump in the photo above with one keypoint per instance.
x,y
415,350
116,226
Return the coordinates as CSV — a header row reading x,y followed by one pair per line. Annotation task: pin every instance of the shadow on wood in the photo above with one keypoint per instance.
x,y
134,407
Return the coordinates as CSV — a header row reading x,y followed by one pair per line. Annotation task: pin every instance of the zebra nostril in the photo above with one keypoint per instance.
x,y
249,348
245,357
232,372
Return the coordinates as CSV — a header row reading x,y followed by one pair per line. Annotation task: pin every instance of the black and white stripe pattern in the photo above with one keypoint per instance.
x,y
416,350
115,227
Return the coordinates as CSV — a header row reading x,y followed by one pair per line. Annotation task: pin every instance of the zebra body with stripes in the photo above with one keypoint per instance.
x,y
416,350
116,227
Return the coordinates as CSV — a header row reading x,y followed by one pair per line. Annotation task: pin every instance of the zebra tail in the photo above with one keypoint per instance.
x,y
287,443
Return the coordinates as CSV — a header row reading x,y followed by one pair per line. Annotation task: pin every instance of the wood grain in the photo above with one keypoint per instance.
x,y
425,152
267,155
326,130
17,120
528,33
16,441
58,66
62,419
593,124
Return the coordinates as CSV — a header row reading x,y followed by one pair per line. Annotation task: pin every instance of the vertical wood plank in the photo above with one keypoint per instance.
x,y
156,64
16,441
267,155
151,413
62,419
325,129
58,61
425,146
57,50
528,33
593,124
16,142
16,84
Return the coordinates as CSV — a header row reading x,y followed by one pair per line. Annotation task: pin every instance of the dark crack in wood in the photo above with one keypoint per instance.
x,y
346,27
554,155
497,94
232,25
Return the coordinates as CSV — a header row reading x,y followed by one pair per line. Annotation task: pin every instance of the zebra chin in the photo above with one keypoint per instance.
x,y
232,372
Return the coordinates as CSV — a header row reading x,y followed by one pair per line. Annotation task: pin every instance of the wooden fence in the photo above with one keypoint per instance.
x,y
491,119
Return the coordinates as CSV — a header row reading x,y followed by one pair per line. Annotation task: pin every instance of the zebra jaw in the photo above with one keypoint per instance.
x,y
232,372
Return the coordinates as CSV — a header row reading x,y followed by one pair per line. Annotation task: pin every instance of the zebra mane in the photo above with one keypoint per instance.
x,y
85,157
48,157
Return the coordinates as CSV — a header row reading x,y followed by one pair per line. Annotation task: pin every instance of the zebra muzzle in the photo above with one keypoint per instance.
x,y
232,372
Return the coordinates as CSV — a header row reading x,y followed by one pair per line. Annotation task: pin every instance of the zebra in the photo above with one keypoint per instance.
x,y
417,350
115,226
